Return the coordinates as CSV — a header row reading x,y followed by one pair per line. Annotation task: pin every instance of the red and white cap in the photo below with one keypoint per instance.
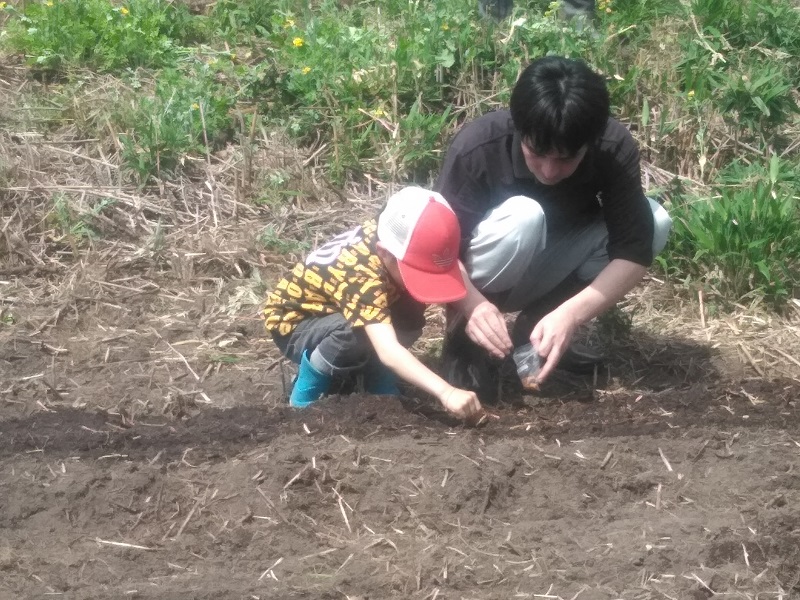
x,y
419,228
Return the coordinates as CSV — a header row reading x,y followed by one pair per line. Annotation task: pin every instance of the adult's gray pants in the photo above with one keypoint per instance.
x,y
512,251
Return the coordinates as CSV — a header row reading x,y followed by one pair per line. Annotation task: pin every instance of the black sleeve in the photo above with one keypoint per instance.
x,y
627,212
463,183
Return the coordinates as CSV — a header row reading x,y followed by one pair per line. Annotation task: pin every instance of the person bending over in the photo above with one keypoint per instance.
x,y
554,222
357,303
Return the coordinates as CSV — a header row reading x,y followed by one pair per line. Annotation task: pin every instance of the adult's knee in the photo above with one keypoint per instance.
x,y
504,242
662,225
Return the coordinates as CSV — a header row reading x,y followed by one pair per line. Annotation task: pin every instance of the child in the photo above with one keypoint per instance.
x,y
357,303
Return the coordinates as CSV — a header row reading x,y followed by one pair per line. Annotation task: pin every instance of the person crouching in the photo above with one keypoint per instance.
x,y
357,303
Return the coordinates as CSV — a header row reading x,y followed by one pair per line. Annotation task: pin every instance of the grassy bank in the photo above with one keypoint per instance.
x,y
376,89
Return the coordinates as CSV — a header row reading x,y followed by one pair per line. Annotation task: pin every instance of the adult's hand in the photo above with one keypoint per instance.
x,y
552,336
486,326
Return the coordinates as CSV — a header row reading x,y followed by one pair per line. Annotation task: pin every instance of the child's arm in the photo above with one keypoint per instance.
x,y
391,353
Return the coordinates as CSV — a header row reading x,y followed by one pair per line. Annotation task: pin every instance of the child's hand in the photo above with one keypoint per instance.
x,y
462,403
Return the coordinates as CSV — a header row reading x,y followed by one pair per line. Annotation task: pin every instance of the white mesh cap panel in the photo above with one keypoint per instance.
x,y
397,221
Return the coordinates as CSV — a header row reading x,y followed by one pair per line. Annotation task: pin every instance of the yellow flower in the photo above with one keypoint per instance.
x,y
298,42
690,94
288,24
305,70
378,113
49,3
445,26
195,106
2,5
124,11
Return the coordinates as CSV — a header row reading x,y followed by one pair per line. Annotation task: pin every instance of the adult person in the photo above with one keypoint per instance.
x,y
554,222
580,10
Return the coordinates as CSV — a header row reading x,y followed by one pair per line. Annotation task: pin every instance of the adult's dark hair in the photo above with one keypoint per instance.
x,y
559,104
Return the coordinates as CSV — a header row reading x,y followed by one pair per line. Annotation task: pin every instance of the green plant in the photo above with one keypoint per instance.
x,y
760,98
381,90
7,317
614,324
749,23
227,359
271,239
55,34
75,224
188,112
745,240
242,18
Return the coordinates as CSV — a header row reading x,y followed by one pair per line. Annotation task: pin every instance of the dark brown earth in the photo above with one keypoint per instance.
x,y
146,451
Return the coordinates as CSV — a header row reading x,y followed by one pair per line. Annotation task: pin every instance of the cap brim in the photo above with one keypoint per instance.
x,y
433,288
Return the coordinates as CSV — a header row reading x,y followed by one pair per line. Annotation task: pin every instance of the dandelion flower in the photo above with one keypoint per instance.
x,y
2,5
690,94
298,42
305,70
124,11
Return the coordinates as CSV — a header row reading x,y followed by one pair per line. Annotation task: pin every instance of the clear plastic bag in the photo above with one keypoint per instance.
x,y
529,363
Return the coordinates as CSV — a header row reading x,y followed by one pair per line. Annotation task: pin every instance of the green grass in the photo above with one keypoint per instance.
x,y
76,224
743,242
708,86
55,34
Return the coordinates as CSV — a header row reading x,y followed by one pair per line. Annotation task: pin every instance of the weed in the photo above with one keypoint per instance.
x,y
7,317
614,324
185,111
759,99
226,359
74,224
97,33
744,241
271,239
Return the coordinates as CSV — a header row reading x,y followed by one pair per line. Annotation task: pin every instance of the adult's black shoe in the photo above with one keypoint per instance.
x,y
467,366
580,359
577,358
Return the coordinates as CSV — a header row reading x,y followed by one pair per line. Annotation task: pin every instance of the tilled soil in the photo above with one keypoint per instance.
x,y
127,470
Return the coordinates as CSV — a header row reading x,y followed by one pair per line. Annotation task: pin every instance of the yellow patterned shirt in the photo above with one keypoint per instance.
x,y
345,276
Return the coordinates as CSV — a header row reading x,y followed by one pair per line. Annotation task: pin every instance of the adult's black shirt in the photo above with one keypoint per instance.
x,y
484,166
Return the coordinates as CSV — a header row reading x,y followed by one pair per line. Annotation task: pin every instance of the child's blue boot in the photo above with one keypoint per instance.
x,y
380,381
309,385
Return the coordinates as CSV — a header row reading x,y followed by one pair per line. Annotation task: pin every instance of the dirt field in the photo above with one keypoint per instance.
x,y
146,449
146,452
